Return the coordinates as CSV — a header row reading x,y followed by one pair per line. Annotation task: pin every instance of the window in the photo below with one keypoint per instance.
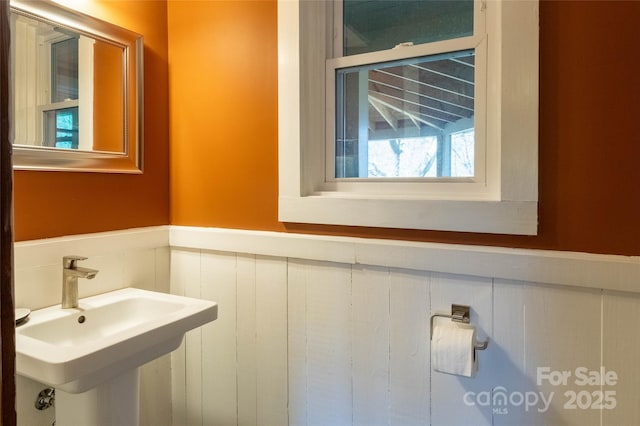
x,y
390,113
61,128
64,70
60,115
412,114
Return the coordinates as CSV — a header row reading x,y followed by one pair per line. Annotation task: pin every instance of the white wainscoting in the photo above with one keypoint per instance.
x,y
335,331
130,258
317,330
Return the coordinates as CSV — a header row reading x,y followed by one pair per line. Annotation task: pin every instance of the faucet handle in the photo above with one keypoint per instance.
x,y
69,262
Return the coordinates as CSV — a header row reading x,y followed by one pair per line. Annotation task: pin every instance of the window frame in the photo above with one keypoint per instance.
x,y
505,203
430,187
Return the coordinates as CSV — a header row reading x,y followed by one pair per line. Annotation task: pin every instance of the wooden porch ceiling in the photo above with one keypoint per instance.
x,y
430,93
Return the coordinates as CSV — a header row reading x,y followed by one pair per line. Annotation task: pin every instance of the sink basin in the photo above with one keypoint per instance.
x,y
75,350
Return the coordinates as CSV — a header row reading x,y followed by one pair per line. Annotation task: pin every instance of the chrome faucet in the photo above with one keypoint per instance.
x,y
70,274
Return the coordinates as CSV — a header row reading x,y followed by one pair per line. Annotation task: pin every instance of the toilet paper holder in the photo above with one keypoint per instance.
x,y
459,313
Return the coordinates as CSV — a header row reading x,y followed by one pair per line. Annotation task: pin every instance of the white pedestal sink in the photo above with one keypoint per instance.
x,y
91,354
113,403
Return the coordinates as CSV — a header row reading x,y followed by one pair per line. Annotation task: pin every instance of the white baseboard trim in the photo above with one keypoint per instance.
x,y
596,271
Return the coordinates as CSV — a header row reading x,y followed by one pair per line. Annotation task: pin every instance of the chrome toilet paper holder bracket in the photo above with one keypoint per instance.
x,y
459,313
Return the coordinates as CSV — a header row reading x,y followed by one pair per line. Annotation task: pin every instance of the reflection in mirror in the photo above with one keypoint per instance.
x,y
77,89
68,89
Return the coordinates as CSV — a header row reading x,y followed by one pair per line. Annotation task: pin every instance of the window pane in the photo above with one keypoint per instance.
x,y
408,157
462,153
64,70
61,128
406,118
382,24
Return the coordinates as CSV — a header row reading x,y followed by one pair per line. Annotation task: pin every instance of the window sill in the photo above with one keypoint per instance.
x,y
495,217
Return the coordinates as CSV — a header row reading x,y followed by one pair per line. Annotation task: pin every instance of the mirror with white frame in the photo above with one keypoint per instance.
x,y
77,91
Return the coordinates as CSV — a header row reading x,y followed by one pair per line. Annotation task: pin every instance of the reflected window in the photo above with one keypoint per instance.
x,y
54,84
64,70
61,121
61,128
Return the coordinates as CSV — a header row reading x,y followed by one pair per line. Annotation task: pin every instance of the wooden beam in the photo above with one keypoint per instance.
x,y
439,85
384,112
7,313
432,70
444,98
408,114
404,105
421,109
467,60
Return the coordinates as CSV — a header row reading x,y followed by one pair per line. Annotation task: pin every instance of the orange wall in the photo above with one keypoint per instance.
x,y
49,204
223,87
108,99
223,91
222,77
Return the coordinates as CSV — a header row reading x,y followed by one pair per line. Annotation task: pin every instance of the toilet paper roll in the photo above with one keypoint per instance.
x,y
452,349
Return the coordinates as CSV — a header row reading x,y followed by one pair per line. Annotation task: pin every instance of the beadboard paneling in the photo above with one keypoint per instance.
x,y
232,371
247,358
562,328
262,340
370,334
185,266
447,391
409,365
349,345
621,352
271,340
297,343
538,326
327,342
219,347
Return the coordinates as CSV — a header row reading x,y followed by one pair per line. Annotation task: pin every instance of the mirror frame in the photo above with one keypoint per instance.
x,y
128,161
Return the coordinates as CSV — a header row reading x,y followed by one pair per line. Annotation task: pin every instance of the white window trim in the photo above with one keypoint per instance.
x,y
85,88
508,207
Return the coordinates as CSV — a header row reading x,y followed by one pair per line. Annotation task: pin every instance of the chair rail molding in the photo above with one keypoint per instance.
x,y
602,271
